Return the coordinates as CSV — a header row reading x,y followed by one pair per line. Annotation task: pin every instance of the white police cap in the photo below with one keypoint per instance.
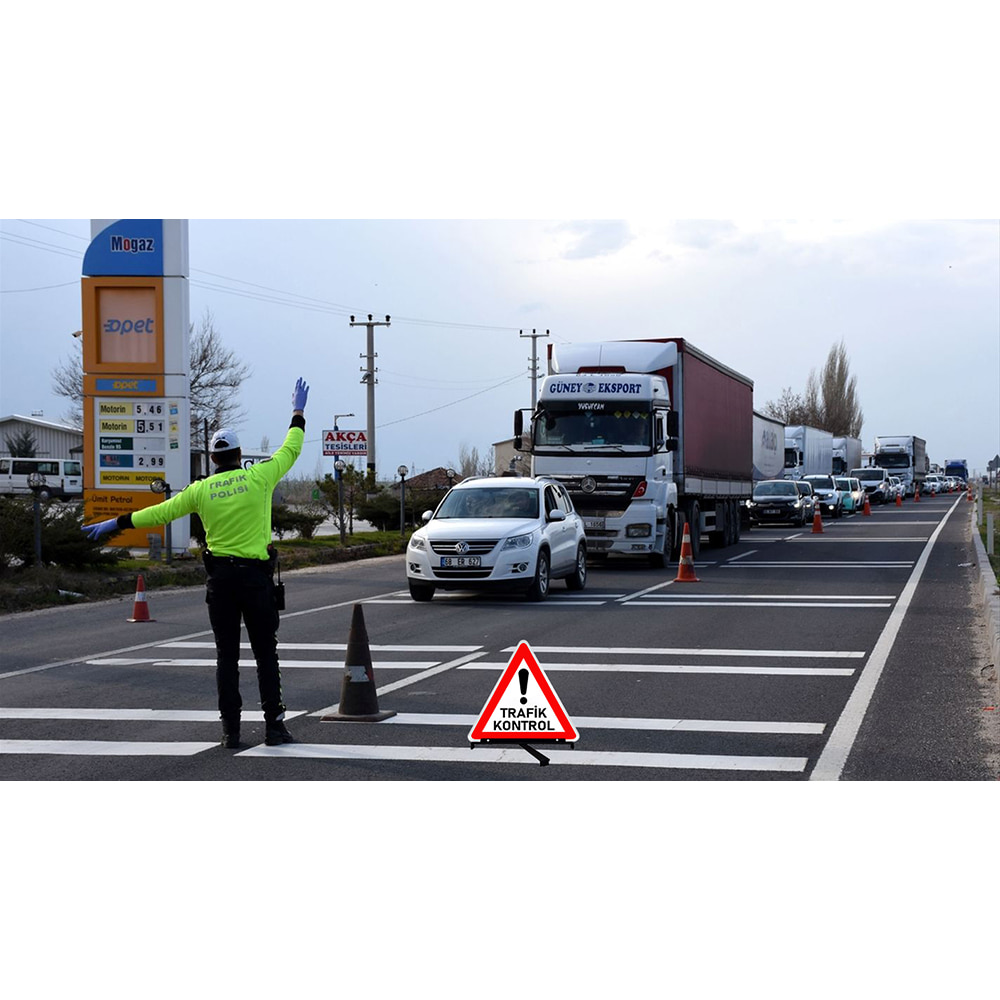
x,y
225,440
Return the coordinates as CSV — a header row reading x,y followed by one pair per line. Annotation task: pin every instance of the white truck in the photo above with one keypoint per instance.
x,y
768,448
846,455
904,456
647,436
808,451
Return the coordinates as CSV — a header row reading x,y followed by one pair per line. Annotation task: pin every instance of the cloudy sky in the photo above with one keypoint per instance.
x,y
915,302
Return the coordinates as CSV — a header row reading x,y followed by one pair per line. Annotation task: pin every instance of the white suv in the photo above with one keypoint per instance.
x,y
499,533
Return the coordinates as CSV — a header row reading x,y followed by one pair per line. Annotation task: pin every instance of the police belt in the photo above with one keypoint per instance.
x,y
211,557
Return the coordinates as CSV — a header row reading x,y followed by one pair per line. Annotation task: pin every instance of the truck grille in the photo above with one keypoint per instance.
x,y
476,548
610,498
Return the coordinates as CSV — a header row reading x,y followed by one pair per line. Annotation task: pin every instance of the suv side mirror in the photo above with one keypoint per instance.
x,y
426,516
556,515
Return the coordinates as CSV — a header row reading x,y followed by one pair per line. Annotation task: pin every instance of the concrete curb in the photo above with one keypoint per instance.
x,y
991,600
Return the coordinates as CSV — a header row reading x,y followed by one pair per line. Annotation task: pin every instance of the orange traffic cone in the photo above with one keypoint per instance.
x,y
968,496
817,522
867,510
916,494
140,610
685,568
899,499
358,698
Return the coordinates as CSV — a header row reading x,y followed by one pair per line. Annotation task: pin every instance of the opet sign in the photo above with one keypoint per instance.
x,y
125,318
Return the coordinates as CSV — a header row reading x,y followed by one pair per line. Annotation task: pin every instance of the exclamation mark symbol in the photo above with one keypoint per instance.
x,y
522,679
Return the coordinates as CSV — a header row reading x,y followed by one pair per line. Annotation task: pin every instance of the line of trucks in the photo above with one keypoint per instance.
x,y
650,436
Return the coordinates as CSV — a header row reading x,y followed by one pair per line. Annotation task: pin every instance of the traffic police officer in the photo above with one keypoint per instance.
x,y
234,505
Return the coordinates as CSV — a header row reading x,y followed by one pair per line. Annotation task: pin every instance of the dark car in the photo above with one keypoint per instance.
x,y
777,500
827,494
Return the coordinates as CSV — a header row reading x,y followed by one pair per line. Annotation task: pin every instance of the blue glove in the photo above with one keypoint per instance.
x,y
300,395
94,531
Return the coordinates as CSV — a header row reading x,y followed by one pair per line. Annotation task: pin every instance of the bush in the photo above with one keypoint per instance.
x,y
63,543
284,519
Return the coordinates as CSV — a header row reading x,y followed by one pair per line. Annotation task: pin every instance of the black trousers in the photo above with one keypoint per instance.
x,y
243,589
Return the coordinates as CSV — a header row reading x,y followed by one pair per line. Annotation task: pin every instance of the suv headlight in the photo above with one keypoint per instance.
x,y
518,541
416,542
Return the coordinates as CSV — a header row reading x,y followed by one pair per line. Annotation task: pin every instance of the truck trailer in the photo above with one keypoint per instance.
x,y
768,447
904,456
846,455
647,436
808,451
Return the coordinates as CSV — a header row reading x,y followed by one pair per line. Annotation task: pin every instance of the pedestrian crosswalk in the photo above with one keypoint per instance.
x,y
625,743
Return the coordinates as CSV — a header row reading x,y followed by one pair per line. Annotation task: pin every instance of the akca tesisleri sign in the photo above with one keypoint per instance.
x,y
524,706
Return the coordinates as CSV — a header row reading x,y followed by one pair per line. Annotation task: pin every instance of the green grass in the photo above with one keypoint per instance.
x,y
50,586
991,505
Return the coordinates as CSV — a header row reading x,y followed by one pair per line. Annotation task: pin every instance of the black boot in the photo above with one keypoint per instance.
x,y
230,735
275,733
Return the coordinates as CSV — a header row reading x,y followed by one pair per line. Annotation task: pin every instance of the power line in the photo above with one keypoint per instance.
x,y
40,288
424,413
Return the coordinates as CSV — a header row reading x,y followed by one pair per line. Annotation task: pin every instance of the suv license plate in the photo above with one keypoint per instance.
x,y
594,523
460,562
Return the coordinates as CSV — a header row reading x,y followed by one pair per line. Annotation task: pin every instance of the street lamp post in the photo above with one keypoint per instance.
x,y
35,482
403,471
162,486
339,467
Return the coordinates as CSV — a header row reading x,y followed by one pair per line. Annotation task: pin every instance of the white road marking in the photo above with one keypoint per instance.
x,y
412,679
602,722
742,555
821,565
285,663
749,604
515,755
866,539
103,748
341,646
130,714
156,642
678,668
781,597
552,602
648,590
822,654
831,762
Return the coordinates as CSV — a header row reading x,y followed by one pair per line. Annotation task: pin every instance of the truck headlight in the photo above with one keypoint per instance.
x,y
638,531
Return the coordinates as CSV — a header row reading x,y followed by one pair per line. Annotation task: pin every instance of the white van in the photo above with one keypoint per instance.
x,y
63,477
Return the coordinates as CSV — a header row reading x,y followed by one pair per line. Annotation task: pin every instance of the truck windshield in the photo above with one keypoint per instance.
x,y
893,461
791,458
623,429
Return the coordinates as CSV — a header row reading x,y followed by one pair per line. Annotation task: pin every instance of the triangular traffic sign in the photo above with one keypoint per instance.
x,y
523,706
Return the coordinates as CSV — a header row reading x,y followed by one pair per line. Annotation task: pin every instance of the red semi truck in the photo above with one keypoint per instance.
x,y
647,436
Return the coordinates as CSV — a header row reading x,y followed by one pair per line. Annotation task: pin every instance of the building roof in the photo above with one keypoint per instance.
x,y
41,423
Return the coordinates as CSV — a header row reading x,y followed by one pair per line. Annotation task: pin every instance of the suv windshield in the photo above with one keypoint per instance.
x,y
486,502
844,484
821,482
869,475
776,489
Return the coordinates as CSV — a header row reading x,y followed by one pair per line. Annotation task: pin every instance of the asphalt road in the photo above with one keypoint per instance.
x,y
853,654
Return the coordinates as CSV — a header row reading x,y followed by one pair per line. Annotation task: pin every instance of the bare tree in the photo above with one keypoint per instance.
x,y
22,444
470,464
829,401
216,376
842,416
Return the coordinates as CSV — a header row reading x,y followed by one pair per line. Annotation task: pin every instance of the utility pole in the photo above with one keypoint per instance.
x,y
534,335
369,379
